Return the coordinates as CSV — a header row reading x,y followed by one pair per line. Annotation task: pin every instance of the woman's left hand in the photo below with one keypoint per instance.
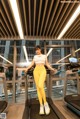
x,y
54,71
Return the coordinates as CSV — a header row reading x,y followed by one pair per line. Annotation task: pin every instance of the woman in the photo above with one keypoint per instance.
x,y
40,76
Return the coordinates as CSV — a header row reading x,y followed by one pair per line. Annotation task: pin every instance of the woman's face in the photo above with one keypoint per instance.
x,y
38,51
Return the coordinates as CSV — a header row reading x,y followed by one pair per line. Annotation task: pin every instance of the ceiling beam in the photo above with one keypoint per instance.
x,y
56,18
2,32
7,13
29,4
77,36
75,32
24,9
37,37
43,17
68,13
60,19
34,17
39,16
4,27
5,20
51,5
52,17
72,28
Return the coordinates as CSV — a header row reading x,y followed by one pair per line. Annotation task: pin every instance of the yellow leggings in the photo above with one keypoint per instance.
x,y
40,77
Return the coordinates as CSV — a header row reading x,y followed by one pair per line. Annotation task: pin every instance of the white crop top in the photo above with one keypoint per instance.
x,y
39,59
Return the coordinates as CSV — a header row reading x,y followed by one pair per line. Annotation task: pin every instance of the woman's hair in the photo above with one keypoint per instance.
x,y
37,47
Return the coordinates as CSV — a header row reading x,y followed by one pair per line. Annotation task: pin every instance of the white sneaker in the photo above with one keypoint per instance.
x,y
47,108
41,110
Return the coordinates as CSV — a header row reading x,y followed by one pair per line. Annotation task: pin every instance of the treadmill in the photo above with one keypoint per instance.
x,y
31,110
73,101
3,104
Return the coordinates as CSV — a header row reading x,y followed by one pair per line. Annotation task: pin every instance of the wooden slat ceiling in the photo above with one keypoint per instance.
x,y
40,19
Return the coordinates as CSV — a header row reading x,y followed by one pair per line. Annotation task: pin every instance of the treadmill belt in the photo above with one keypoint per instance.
x,y
3,106
34,112
73,100
76,104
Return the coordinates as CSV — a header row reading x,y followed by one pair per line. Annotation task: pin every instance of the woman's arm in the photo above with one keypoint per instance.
x,y
52,69
32,63
48,65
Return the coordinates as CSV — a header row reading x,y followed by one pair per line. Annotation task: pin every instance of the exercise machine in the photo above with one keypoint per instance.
x,y
32,106
73,101
3,104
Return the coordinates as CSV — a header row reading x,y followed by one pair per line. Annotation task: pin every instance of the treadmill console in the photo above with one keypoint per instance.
x,y
73,65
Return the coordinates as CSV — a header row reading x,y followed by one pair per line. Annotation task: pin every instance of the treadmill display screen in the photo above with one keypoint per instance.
x,y
73,60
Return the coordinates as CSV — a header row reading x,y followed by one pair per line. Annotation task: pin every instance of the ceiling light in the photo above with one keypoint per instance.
x,y
14,7
25,52
67,56
49,51
6,59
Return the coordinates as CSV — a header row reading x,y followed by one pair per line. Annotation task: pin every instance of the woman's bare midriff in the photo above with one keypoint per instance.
x,y
40,64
